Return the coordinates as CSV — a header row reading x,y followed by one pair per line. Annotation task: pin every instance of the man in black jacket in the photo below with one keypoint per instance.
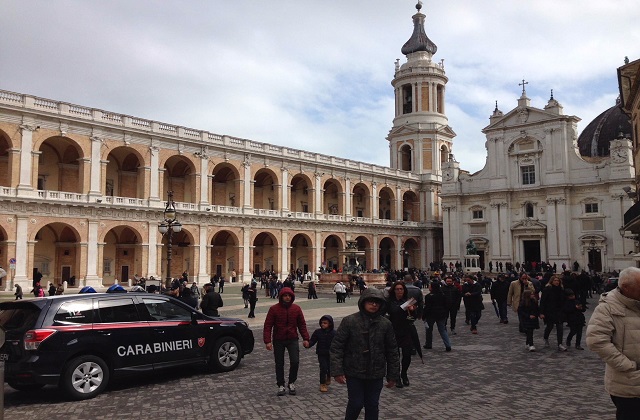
x,y
211,301
499,292
472,295
453,297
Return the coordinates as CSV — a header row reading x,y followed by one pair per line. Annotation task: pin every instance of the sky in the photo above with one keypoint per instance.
x,y
314,75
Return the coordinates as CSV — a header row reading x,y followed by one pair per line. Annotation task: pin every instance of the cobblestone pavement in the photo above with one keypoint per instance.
x,y
486,376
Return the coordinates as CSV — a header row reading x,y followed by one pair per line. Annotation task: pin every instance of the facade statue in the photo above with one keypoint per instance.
x,y
471,248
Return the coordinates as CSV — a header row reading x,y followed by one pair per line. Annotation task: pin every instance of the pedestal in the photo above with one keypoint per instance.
x,y
471,263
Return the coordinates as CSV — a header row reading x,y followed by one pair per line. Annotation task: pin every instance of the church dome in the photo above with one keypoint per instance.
x,y
594,139
419,40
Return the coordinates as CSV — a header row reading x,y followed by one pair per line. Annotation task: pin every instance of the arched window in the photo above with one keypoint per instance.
x,y
528,210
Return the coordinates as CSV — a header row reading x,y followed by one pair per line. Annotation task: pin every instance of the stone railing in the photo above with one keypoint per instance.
x,y
98,116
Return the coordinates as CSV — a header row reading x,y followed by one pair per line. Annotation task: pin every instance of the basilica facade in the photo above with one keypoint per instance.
x,y
537,198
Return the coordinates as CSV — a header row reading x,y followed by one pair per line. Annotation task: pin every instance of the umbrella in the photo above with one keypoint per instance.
x,y
495,307
416,341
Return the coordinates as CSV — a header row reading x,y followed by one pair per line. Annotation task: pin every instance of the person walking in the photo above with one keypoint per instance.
x,y
614,334
499,293
363,352
435,312
453,298
529,312
551,310
574,315
18,292
472,296
211,301
323,336
281,326
253,298
514,295
401,316
221,285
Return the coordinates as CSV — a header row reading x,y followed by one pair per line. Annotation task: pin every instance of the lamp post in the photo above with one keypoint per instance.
x,y
169,225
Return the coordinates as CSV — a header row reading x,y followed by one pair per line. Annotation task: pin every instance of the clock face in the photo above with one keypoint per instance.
x,y
619,155
447,175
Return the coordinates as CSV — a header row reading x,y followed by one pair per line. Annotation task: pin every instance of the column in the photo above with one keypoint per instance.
x,y
552,231
96,168
204,180
22,224
154,187
203,275
375,201
399,257
347,196
428,248
376,254
284,196
152,259
494,228
399,214
92,278
563,220
317,203
506,237
246,254
284,246
424,205
318,256
26,160
247,185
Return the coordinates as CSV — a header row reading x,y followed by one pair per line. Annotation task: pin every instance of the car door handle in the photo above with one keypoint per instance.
x,y
159,331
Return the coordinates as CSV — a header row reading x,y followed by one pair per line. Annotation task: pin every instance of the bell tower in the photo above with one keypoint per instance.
x,y
421,139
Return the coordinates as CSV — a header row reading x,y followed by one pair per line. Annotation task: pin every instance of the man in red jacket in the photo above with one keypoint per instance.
x,y
281,327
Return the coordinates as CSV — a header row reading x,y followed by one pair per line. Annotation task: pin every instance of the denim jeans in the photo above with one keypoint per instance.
x,y
442,329
294,359
363,393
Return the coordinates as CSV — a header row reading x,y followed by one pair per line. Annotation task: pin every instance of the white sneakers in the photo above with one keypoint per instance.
x,y
292,389
281,391
532,348
561,347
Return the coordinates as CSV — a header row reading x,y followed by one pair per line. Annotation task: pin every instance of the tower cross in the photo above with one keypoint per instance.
x,y
523,85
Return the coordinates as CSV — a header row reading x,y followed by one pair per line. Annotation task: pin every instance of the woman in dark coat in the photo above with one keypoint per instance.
x,y
528,312
551,310
402,323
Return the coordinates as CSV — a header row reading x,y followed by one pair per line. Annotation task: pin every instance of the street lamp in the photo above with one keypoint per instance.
x,y
169,225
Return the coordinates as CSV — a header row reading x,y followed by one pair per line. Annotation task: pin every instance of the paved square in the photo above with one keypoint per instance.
x,y
486,376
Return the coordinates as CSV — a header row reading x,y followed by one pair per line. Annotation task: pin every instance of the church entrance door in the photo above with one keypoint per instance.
x,y
531,250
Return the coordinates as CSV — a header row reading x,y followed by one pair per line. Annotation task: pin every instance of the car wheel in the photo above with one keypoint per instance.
x,y
226,354
85,377
19,386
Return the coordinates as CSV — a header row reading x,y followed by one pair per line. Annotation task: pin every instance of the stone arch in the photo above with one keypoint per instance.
x,y
386,204
444,154
332,245
59,165
410,253
265,252
121,254
364,244
410,206
180,176
386,249
182,253
225,255
333,198
301,253
301,193
225,186
266,194
56,253
124,175
361,202
5,159
405,154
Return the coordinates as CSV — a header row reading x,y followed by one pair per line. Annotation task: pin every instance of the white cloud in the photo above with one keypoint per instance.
x,y
314,75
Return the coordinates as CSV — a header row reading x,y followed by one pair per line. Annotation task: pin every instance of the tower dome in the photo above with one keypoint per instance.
x,y
419,40
594,139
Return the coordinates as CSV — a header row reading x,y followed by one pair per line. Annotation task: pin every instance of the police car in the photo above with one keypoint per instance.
x,y
79,342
